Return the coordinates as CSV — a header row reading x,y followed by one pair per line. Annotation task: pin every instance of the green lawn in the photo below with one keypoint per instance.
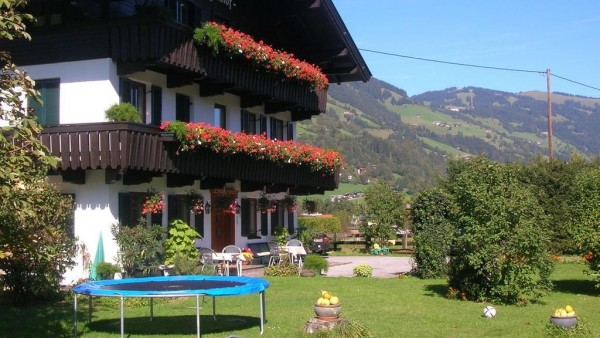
x,y
395,307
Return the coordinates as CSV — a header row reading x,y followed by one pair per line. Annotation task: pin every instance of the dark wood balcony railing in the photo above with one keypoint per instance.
x,y
141,148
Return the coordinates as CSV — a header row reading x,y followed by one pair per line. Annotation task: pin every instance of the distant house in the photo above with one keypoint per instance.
x,y
88,55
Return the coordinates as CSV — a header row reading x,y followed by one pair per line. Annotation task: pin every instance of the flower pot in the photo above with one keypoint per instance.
x,y
328,312
308,273
564,322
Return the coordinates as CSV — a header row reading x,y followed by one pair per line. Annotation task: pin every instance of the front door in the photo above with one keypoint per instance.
x,y
222,223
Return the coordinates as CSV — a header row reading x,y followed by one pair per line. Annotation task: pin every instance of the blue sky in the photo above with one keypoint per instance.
x,y
523,34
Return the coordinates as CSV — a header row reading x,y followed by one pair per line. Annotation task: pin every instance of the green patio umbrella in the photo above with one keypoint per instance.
x,y
98,259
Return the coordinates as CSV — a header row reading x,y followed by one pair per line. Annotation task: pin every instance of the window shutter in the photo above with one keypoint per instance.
x,y
264,224
125,89
51,100
246,217
199,220
291,227
156,105
124,213
290,131
263,125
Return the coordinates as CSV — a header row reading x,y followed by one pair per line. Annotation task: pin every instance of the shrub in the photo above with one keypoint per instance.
x,y
181,242
281,235
36,245
363,270
106,270
183,265
140,247
316,263
432,233
123,112
283,269
501,252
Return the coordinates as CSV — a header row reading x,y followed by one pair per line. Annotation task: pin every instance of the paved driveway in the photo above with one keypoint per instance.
x,y
383,266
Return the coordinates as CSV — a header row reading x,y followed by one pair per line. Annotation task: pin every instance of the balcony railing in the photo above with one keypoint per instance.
x,y
131,146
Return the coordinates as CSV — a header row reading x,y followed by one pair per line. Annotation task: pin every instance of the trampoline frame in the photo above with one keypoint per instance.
x,y
94,289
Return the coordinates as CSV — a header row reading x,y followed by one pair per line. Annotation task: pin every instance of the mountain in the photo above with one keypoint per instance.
x,y
385,134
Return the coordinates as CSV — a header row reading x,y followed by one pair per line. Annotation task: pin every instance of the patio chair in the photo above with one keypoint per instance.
x,y
232,249
295,258
206,260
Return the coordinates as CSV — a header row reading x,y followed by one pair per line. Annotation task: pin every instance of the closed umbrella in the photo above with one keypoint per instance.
x,y
99,258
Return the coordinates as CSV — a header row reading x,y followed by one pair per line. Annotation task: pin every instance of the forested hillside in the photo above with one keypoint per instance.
x,y
382,133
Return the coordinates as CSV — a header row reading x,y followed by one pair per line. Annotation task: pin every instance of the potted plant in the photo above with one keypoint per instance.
x,y
107,270
290,203
123,112
154,203
194,201
316,263
264,204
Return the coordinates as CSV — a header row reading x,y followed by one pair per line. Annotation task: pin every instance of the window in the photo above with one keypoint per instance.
x,y
156,106
183,105
48,112
134,93
276,129
184,12
248,122
130,209
249,217
220,116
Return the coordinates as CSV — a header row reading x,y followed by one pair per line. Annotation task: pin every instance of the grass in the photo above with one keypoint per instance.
x,y
407,307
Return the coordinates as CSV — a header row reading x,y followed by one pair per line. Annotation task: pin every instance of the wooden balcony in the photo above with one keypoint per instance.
x,y
139,152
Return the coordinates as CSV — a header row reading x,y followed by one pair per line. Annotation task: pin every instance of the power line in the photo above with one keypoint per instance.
x,y
477,66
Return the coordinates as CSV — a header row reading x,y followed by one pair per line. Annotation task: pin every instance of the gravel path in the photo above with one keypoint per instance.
x,y
383,266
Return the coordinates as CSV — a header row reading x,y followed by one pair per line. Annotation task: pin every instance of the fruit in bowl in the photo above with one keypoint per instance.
x,y
328,306
564,317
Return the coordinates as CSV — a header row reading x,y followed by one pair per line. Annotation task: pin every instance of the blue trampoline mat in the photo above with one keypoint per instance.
x,y
174,286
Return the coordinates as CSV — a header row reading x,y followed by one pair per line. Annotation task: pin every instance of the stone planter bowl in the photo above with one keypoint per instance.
x,y
328,312
564,322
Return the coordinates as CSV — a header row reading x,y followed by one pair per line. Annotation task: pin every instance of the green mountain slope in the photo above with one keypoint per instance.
x,y
382,133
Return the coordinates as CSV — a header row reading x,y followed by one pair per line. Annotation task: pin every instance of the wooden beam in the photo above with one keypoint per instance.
x,y
112,176
207,89
247,101
134,177
73,176
126,68
175,80
175,181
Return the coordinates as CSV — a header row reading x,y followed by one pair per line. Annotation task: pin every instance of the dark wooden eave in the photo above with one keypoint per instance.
x,y
119,148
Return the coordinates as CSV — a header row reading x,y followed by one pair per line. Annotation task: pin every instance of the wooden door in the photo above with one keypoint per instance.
x,y
222,223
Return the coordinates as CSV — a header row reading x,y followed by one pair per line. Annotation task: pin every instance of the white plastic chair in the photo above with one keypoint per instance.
x,y
232,249
295,259
206,259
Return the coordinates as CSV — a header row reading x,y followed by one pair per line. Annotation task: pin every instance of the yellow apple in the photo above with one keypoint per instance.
x,y
569,308
326,294
334,300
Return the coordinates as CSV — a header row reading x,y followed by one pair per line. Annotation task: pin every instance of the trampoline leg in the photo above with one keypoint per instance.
x,y
262,312
151,309
198,316
89,309
214,309
75,315
122,320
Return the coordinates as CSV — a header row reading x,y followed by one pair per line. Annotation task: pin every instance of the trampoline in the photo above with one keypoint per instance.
x,y
174,286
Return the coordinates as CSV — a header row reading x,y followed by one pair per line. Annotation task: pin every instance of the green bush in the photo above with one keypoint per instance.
x,y
283,269
432,233
181,241
316,263
140,247
106,270
183,265
501,250
363,270
123,112
320,224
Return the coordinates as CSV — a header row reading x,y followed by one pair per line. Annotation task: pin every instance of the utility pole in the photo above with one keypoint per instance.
x,y
549,108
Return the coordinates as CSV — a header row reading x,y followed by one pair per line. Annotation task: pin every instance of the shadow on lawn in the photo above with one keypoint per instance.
x,y
576,286
440,290
182,325
38,320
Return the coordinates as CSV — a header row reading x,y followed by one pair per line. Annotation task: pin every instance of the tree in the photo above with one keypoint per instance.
x,y
36,246
385,211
